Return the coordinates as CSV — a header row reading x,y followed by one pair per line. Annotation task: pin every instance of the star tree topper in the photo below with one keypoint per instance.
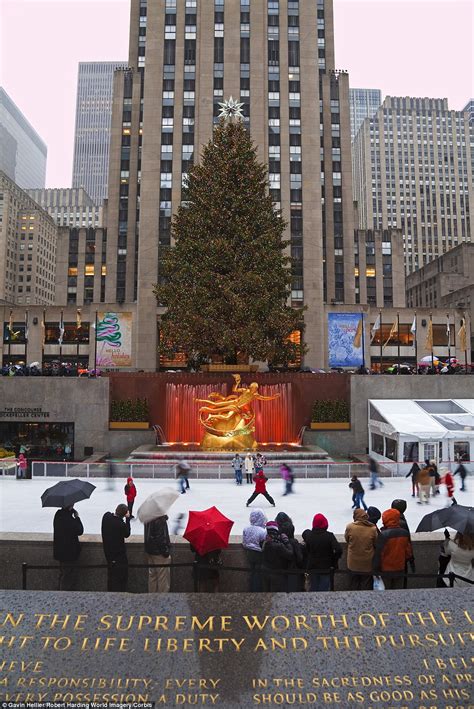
x,y
231,109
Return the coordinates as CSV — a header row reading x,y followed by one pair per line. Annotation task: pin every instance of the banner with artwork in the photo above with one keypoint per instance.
x,y
114,340
344,339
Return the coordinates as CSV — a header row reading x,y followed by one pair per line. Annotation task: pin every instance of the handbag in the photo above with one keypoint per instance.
x,y
378,584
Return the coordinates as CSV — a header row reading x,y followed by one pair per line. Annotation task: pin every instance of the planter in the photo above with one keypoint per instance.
x,y
229,368
330,426
128,425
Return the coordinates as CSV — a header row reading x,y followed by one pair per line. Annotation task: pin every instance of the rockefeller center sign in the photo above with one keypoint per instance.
x,y
371,650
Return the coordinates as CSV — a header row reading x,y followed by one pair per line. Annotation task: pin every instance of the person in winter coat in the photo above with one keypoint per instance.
x,y
295,582
130,493
260,489
277,554
67,528
401,506
259,462
22,467
323,553
237,463
424,484
461,553
358,493
158,551
249,468
392,551
252,541
462,472
361,537
115,530
206,579
374,474
435,478
182,472
413,474
374,515
448,480
287,475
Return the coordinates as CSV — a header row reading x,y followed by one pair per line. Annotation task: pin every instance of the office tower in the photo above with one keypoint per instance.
x,y
70,207
277,58
412,171
28,240
92,134
363,104
379,268
81,265
469,108
22,152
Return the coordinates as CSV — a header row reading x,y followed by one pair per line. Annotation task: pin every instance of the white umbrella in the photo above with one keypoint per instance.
x,y
427,360
157,504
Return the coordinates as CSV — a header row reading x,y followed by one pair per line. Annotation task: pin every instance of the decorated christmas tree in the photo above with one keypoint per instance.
x,y
227,280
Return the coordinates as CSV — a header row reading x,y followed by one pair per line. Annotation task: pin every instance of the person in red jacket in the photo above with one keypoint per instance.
x,y
392,550
448,480
130,493
260,488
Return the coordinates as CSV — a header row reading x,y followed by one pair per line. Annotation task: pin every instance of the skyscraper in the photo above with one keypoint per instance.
x,y
469,107
412,170
22,152
92,134
277,58
71,207
363,104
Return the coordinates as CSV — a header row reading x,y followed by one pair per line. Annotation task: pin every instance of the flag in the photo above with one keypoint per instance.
x,y
462,336
61,329
413,326
357,341
429,336
10,322
78,319
393,330
26,326
375,328
448,331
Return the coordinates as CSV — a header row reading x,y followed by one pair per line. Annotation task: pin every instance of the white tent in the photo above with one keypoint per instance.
x,y
405,430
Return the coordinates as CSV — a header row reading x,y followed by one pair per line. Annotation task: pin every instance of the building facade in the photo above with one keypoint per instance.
x,y
277,58
378,268
22,152
81,267
469,109
412,171
364,103
92,132
28,242
69,207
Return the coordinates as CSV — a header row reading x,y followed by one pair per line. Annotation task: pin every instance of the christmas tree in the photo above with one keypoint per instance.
x,y
227,280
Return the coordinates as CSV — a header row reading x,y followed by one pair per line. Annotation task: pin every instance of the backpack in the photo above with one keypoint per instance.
x,y
126,488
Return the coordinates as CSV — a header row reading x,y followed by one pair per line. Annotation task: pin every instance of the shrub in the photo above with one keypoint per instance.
x,y
129,410
330,411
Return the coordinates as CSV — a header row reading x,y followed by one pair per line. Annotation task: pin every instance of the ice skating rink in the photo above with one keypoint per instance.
x,y
21,511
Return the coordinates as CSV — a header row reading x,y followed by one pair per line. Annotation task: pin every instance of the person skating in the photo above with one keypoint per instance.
x,y
249,468
374,474
424,483
158,550
277,554
115,529
67,528
392,551
182,471
288,478
361,537
462,472
130,493
22,467
413,474
260,489
323,553
448,480
358,493
259,462
253,537
237,466
295,582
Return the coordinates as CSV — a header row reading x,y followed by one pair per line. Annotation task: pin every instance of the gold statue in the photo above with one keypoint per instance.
x,y
228,421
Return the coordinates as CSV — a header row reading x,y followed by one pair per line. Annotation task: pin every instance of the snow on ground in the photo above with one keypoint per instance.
x,y
21,511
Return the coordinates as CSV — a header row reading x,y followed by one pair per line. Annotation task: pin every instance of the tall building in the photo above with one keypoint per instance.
x,y
28,241
92,134
69,207
412,171
22,152
277,58
469,108
363,104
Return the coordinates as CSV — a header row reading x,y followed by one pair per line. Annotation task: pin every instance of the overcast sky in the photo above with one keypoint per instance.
x,y
403,47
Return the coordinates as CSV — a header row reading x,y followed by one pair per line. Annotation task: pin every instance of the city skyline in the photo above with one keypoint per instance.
x,y
359,32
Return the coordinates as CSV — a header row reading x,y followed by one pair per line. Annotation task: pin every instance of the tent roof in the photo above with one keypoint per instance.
x,y
445,418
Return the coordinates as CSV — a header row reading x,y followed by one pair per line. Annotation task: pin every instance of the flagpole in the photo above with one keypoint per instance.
x,y
43,338
465,342
10,328
26,337
381,343
61,339
416,344
398,338
448,328
363,340
431,330
95,346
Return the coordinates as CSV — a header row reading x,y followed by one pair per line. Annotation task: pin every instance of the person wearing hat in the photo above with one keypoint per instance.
x,y
323,553
374,515
392,551
401,506
260,481
361,538
277,554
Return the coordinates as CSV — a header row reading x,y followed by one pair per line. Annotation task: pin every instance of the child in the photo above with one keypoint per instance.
x,y
260,489
130,493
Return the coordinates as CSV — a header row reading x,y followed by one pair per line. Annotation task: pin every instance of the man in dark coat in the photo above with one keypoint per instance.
x,y
462,472
158,550
115,529
295,582
277,554
324,552
66,545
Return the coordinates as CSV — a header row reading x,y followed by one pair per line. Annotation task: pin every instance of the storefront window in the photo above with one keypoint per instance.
x,y
17,334
405,338
391,448
377,443
461,450
410,452
72,334
43,441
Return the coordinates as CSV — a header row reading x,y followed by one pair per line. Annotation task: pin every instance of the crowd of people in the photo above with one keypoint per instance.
x,y
49,369
425,480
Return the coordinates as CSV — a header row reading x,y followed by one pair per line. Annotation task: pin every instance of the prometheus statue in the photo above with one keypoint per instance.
x,y
229,421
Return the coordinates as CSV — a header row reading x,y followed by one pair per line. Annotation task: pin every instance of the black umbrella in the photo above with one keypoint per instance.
x,y
457,517
66,493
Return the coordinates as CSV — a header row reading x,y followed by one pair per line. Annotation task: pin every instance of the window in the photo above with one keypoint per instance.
x,y
461,450
377,443
410,452
390,449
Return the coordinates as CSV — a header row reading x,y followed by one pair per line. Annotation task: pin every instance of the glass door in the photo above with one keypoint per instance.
x,y
430,452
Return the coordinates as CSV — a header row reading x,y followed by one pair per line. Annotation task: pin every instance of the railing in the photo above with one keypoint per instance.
x,y
207,469
197,567
8,466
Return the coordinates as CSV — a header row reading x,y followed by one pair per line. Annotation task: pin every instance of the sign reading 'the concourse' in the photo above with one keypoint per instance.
x,y
372,650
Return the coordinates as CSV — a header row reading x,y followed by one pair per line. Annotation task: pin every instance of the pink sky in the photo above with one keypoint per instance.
x,y
403,47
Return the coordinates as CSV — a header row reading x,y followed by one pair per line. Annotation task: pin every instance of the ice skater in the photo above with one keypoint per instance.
x,y
288,478
374,474
237,465
182,472
249,468
358,493
413,474
462,472
260,489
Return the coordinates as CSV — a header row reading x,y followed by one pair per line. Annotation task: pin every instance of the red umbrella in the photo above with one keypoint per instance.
x,y
208,530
